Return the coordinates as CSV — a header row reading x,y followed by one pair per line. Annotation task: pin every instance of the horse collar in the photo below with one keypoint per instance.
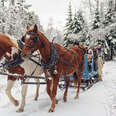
x,y
54,57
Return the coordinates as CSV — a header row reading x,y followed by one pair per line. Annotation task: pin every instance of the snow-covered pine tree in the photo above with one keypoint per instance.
x,y
109,16
3,2
79,27
110,19
78,22
80,31
15,16
68,27
27,17
96,20
3,11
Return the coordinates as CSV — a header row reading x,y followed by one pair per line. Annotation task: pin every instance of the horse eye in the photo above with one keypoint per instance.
x,y
22,39
35,39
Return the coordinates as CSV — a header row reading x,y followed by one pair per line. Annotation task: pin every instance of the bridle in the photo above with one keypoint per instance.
x,y
36,40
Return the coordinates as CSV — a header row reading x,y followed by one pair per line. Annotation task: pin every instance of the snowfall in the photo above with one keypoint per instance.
x,y
99,100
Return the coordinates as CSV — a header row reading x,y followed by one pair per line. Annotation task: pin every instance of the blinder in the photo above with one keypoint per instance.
x,y
20,44
35,39
22,39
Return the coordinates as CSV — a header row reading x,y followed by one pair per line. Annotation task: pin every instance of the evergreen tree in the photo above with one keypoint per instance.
x,y
96,21
79,28
3,11
16,16
68,27
3,3
109,16
78,22
110,36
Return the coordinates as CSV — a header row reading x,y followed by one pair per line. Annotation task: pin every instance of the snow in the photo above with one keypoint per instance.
x,y
99,100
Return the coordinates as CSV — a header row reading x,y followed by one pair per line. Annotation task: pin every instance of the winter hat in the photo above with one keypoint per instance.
x,y
99,47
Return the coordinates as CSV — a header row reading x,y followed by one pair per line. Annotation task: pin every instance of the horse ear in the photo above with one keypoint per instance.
x,y
35,28
28,28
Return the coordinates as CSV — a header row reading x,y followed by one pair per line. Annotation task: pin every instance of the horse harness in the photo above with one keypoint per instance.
x,y
54,56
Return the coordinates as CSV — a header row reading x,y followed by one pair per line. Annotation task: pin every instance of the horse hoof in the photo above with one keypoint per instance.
x,y
51,110
75,97
16,103
35,99
20,110
65,99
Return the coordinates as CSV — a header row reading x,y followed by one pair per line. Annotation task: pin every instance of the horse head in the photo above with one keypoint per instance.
x,y
31,41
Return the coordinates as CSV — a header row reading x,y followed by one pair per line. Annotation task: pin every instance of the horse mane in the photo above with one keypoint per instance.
x,y
41,34
58,46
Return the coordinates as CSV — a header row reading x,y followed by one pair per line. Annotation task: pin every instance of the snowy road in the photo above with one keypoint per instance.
x,y
99,100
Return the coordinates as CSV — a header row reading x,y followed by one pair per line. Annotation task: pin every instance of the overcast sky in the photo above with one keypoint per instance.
x,y
55,9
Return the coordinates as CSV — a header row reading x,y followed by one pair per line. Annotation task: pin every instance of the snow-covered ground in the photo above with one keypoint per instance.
x,y
99,100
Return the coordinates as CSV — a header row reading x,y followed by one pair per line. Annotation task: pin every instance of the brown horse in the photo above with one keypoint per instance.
x,y
56,60
5,45
9,53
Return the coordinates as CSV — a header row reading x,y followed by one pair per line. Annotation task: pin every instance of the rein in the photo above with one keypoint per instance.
x,y
35,61
21,45
13,63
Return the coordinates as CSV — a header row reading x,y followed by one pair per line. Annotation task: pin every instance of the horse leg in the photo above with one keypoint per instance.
x,y
54,92
49,87
37,90
75,80
10,84
79,83
67,81
23,93
49,83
